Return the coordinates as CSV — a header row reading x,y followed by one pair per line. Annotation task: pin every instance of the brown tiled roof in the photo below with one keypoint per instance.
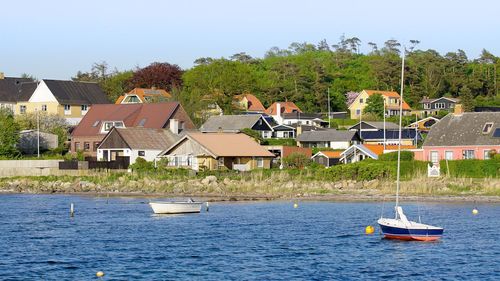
x,y
286,107
332,154
155,115
146,138
230,144
143,92
254,103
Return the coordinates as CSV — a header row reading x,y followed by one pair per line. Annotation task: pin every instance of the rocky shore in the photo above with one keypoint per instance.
x,y
212,188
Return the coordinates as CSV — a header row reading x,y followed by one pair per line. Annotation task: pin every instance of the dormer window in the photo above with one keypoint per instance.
x,y
95,123
132,99
487,128
107,125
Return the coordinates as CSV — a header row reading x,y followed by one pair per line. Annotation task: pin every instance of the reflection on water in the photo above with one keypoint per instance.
x,y
257,240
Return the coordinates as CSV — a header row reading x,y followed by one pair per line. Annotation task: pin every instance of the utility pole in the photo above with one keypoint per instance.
x,y
384,126
328,107
38,132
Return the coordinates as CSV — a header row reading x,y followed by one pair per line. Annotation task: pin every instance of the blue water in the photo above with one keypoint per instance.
x,y
237,241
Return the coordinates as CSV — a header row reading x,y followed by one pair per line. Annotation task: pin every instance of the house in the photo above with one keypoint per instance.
x,y
432,106
14,90
236,123
299,118
217,151
391,100
359,152
68,99
143,95
372,132
424,124
29,141
283,132
101,118
249,103
282,151
135,142
327,158
277,109
469,135
332,138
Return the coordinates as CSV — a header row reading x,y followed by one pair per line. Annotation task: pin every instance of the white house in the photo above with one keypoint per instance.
x,y
135,142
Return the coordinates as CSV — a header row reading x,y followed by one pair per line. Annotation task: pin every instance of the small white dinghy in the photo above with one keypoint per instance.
x,y
176,207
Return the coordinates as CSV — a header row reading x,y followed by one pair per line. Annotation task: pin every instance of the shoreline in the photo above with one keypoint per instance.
x,y
340,197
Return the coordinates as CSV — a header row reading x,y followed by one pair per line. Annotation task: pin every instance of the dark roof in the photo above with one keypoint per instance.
x,y
153,115
71,92
487,109
375,125
283,128
13,89
464,129
327,135
230,123
389,134
306,127
300,115
429,100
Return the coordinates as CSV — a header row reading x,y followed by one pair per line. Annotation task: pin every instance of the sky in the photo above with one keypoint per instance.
x,y
54,39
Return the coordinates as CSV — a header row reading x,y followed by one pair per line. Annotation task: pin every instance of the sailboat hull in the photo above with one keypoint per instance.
x,y
414,233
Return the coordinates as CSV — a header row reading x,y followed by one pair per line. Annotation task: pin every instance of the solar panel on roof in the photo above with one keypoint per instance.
x,y
496,133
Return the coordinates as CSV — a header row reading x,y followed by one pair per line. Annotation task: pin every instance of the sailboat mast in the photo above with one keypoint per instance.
x,y
400,122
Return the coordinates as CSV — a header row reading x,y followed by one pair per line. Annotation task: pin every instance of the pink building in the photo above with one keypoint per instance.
x,y
469,135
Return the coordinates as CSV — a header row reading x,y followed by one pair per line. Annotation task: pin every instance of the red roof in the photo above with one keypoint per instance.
x,y
155,115
254,103
286,107
332,154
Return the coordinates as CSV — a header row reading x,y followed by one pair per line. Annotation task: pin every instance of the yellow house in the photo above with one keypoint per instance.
x,y
218,151
68,99
391,100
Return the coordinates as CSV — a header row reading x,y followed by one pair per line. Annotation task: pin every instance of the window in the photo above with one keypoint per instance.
x,y
142,122
360,100
95,123
440,105
448,155
487,128
427,106
358,111
221,161
77,146
468,154
67,109
85,108
44,107
141,153
434,157
260,162
22,109
486,154
86,146
96,144
110,124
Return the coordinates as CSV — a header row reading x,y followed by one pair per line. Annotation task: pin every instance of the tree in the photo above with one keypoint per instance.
x,y
375,105
10,134
467,99
338,102
160,75
241,57
49,123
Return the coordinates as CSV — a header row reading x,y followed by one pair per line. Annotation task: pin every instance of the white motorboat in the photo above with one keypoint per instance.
x,y
176,207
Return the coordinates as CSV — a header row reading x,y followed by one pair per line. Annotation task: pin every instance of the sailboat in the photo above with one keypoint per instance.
x,y
400,227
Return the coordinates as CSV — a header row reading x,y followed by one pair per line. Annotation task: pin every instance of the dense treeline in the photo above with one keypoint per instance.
x,y
304,72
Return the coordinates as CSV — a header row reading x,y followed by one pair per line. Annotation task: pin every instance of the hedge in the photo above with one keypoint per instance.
x,y
471,168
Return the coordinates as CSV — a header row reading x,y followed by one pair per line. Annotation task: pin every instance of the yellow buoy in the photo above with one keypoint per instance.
x,y
475,211
369,229
295,205
99,274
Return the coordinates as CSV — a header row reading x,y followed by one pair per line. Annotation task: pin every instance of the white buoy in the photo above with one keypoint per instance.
x,y
475,211
72,210
99,274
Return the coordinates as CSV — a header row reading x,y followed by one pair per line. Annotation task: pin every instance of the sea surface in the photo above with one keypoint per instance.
x,y
239,241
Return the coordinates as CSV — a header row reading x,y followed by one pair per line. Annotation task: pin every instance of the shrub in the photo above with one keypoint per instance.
x,y
296,160
141,165
393,156
471,168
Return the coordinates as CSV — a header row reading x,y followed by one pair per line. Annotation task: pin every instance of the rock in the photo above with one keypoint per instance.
x,y
227,181
289,185
208,180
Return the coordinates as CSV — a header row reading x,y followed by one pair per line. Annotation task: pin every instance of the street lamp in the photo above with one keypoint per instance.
x,y
38,132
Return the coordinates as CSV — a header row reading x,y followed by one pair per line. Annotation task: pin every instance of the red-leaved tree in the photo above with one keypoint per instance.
x,y
159,75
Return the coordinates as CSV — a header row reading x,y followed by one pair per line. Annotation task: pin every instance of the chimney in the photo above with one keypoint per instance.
x,y
278,110
2,75
174,126
458,109
299,130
